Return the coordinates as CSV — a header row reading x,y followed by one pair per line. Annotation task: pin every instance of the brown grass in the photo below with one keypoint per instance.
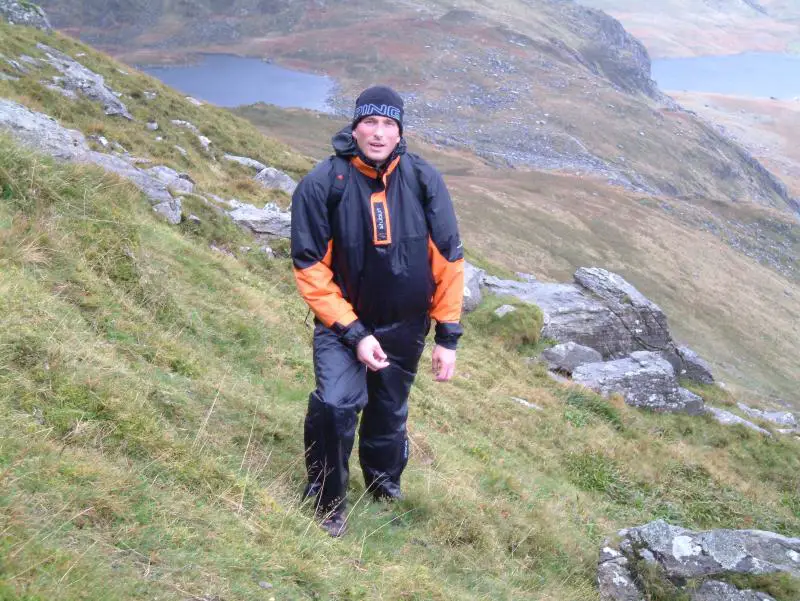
x,y
767,128
673,28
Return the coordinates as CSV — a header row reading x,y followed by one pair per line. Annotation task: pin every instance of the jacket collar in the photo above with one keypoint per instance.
x,y
371,171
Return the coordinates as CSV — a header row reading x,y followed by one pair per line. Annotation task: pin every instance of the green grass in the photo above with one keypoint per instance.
x,y
153,392
517,329
152,395
782,587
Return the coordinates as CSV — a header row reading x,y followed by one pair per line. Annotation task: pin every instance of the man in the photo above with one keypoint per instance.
x,y
376,255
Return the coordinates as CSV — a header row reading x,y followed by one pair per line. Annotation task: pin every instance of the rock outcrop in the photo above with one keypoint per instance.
x,y
246,162
77,79
726,418
180,182
604,312
269,222
684,554
714,590
600,310
784,419
275,179
694,367
611,338
644,379
43,133
472,287
567,357
24,13
609,49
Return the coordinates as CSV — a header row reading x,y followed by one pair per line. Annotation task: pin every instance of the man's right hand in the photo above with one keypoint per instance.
x,y
370,353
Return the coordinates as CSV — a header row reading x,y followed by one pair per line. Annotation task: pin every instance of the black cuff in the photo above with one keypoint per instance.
x,y
447,335
352,334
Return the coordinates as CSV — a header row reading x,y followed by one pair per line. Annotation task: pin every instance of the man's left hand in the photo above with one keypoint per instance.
x,y
444,363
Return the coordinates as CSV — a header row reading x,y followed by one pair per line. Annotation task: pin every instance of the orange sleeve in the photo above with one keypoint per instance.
x,y
449,278
322,294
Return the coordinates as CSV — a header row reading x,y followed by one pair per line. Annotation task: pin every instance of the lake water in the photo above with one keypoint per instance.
x,y
750,74
229,81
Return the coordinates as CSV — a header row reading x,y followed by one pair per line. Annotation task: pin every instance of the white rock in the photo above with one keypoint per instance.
x,y
504,310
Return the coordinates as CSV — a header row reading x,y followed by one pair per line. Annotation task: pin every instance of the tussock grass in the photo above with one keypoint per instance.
x,y
518,328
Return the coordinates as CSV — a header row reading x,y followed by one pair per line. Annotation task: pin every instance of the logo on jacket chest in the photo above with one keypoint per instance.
x,y
381,228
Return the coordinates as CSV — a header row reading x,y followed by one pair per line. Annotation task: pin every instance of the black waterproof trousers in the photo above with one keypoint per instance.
x,y
344,388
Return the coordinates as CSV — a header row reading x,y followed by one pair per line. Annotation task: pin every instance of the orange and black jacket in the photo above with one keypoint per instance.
x,y
387,252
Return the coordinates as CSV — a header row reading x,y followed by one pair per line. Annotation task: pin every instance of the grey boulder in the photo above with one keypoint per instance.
x,y
180,182
274,179
601,310
779,418
157,191
726,418
615,581
640,317
504,310
713,590
644,379
688,554
269,221
567,357
24,13
472,287
246,162
186,125
41,132
694,367
78,79
684,554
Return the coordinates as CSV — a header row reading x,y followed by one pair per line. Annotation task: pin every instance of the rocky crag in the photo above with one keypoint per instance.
x,y
609,337
24,13
694,564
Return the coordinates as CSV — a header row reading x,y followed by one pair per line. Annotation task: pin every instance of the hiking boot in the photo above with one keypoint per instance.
x,y
387,492
335,524
311,490
384,496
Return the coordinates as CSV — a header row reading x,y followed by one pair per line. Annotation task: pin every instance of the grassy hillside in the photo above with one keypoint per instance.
x,y
152,393
767,128
686,28
152,397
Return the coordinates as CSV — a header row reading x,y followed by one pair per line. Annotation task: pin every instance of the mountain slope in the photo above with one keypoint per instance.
x,y
533,84
685,28
152,391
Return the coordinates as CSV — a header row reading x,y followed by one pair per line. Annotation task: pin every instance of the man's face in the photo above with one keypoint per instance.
x,y
377,137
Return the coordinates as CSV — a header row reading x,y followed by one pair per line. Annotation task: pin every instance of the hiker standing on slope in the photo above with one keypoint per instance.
x,y
376,255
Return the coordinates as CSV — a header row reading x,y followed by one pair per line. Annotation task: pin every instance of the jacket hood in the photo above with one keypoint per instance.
x,y
345,146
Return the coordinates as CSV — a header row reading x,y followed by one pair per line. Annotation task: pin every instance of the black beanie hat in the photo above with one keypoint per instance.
x,y
382,101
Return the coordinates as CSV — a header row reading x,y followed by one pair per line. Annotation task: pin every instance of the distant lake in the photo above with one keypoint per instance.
x,y
229,81
756,74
